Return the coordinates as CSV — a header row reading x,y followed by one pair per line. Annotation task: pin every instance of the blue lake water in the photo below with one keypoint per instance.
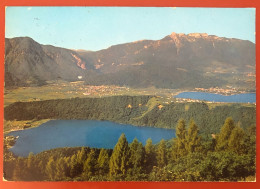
x,y
74,133
238,98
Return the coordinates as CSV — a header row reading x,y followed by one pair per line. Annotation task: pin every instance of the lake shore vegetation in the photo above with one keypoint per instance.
x,y
135,110
228,155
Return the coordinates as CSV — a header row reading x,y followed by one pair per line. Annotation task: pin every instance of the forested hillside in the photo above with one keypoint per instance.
x,y
136,110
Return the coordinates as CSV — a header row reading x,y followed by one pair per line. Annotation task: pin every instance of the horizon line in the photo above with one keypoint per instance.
x,y
186,34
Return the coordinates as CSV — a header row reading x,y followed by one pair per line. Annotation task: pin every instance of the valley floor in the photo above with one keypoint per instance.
x,y
66,90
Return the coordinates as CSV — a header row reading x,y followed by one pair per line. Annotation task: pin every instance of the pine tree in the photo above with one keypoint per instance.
x,y
118,163
19,171
75,167
132,152
192,142
236,141
136,157
67,161
40,170
89,165
30,169
179,147
250,140
51,169
81,156
30,160
161,154
103,161
224,135
77,163
150,155
139,160
60,169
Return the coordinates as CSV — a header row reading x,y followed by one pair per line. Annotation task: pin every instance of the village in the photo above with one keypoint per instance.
x,y
102,90
223,91
63,90
79,89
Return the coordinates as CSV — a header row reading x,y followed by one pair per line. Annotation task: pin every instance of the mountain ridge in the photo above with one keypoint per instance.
x,y
175,61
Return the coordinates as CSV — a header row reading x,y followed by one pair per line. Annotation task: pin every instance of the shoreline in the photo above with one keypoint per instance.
x,y
21,125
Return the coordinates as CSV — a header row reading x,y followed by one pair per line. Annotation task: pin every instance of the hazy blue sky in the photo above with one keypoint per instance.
x,y
94,28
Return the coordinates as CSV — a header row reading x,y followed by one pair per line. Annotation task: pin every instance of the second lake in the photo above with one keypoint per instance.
x,y
75,133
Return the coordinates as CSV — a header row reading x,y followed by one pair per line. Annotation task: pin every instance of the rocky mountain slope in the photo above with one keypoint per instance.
x,y
176,61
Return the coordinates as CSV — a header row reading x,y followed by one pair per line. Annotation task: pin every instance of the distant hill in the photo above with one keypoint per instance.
x,y
29,63
176,61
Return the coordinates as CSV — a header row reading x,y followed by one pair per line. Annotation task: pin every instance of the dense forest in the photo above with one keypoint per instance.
x,y
136,110
228,155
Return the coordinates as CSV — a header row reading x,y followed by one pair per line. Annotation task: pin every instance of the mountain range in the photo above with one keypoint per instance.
x,y
175,61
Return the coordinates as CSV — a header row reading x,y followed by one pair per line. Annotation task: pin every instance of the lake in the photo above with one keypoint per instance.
x,y
238,98
75,133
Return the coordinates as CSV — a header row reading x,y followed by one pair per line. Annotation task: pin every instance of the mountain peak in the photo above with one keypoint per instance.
x,y
176,36
173,35
198,35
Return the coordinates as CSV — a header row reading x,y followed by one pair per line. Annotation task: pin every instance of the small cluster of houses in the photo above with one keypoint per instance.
x,y
102,89
187,100
228,91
